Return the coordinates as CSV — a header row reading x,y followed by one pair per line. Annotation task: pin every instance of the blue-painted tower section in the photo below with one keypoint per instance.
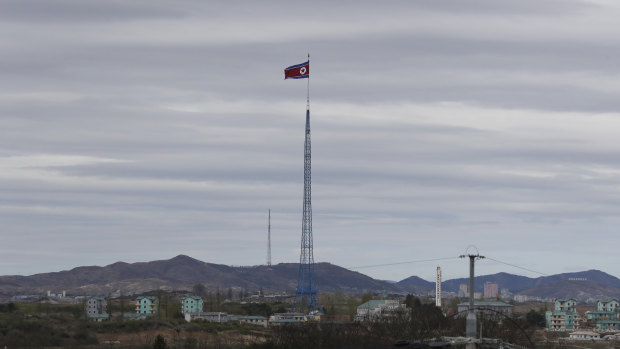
x,y
307,292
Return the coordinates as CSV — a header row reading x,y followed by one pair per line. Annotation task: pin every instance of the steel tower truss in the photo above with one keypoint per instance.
x,y
307,293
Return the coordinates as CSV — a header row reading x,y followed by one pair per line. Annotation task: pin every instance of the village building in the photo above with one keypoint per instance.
x,y
250,320
147,305
207,316
607,314
191,304
96,309
287,318
377,308
584,335
564,317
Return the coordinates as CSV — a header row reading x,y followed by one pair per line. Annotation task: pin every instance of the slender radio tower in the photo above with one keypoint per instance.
x,y
269,239
306,293
438,288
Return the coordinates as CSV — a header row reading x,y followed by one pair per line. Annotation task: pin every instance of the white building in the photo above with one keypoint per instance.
x,y
378,308
206,316
584,335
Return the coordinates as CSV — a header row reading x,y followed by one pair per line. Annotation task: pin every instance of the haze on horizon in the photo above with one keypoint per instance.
x,y
137,131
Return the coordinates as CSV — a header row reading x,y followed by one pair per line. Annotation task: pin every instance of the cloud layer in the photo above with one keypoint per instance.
x,y
140,130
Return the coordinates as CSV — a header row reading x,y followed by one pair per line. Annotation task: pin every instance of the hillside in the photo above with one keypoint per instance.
x,y
181,273
579,289
417,285
581,285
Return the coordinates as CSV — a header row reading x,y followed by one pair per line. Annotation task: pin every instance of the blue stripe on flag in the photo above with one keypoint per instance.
x,y
298,65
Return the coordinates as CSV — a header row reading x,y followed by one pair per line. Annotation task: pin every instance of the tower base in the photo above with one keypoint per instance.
x,y
470,327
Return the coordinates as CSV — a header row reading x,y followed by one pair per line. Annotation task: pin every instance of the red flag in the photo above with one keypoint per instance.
x,y
298,71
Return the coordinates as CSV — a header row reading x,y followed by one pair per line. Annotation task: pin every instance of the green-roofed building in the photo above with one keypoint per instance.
x,y
191,304
564,317
147,305
607,314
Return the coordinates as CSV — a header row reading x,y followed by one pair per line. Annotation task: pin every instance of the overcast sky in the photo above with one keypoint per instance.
x,y
140,130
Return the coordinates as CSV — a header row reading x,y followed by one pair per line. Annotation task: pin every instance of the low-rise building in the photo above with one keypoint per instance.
x,y
206,316
377,308
584,335
191,304
147,305
96,309
521,298
279,319
288,317
250,320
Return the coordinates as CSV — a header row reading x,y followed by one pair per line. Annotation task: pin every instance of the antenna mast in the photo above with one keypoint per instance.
x,y
269,240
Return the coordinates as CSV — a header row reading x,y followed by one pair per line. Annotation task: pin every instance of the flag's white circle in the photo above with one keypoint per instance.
x,y
302,71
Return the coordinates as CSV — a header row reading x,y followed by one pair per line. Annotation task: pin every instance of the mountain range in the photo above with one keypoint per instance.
x,y
183,272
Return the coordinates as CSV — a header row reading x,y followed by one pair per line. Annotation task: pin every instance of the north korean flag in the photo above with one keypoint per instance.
x,y
298,71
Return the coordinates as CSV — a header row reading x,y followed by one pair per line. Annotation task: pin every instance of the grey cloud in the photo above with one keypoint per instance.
x,y
204,135
42,11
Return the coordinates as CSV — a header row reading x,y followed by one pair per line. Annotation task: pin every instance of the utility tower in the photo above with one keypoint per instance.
x,y
438,288
470,328
269,239
306,293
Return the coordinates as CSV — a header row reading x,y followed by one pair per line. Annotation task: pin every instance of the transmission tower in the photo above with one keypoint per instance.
x,y
269,239
306,293
470,327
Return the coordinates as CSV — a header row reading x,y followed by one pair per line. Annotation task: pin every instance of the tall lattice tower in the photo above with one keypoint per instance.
x,y
307,293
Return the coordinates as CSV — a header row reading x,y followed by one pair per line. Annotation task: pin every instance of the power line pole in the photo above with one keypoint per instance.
x,y
470,328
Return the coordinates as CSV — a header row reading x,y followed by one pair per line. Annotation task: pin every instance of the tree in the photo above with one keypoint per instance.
x,y
218,299
366,297
535,318
199,290
159,304
122,306
412,302
109,305
230,293
210,301
160,342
